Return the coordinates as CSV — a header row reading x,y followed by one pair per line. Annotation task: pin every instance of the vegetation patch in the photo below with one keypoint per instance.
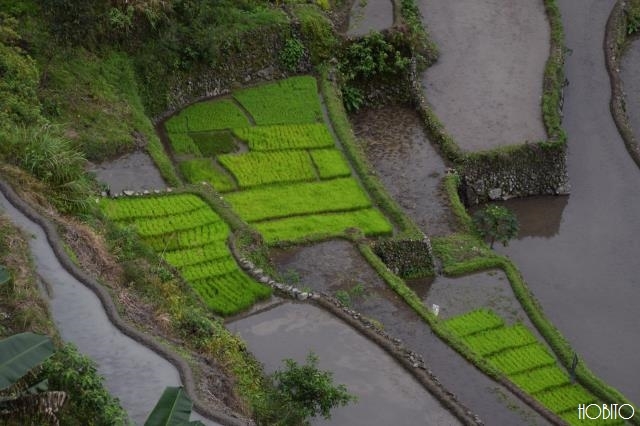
x,y
286,136
406,258
516,353
290,101
182,229
262,168
330,163
201,170
211,144
209,115
181,143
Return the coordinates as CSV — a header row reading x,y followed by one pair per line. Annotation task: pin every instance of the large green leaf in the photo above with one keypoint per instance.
x,y
173,409
20,353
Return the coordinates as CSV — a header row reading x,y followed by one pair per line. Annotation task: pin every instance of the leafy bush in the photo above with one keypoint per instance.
x,y
292,54
496,223
316,32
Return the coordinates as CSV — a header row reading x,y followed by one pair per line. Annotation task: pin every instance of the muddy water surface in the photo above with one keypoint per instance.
x,y
135,172
586,275
387,395
337,265
487,83
630,73
133,373
370,15
407,164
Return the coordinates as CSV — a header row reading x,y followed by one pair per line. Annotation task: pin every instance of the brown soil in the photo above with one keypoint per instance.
x,y
487,83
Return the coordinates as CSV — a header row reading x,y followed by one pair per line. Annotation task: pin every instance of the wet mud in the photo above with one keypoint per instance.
x,y
135,172
386,393
370,15
337,265
586,274
487,83
408,165
630,74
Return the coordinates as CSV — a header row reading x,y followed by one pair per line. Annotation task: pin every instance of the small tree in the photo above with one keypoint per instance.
x,y
300,392
496,223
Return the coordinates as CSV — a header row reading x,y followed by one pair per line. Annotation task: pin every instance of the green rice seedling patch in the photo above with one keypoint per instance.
x,y
261,168
525,358
149,227
196,255
300,228
194,237
211,144
330,163
565,398
230,293
203,170
183,144
191,237
499,339
290,101
271,202
474,322
286,136
540,379
124,209
210,115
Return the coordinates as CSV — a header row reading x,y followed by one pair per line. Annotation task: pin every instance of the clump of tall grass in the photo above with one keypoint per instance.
x,y
52,159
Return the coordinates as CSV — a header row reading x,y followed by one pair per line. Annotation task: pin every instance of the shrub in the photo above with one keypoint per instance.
x,y
291,54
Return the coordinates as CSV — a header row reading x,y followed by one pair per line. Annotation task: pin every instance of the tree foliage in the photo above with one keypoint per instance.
x,y
496,223
301,392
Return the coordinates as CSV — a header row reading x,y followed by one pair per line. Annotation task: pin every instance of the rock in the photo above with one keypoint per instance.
x,y
303,296
264,280
103,194
128,192
495,193
258,271
156,191
145,192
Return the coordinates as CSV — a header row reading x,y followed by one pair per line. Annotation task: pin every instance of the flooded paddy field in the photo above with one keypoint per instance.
x,y
487,83
386,393
337,265
370,15
586,274
408,165
135,172
630,74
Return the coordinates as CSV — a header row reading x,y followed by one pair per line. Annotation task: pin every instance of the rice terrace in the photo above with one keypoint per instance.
x,y
319,212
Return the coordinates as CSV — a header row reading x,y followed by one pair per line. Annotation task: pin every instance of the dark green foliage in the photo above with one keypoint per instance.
x,y
372,56
173,409
88,402
352,98
316,33
18,79
301,392
633,16
417,34
292,54
211,144
496,223
406,258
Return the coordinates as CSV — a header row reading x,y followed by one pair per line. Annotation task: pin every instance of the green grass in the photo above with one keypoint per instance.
x,y
330,163
291,101
183,144
204,116
202,170
540,379
191,237
260,168
319,226
286,136
525,358
298,199
211,144
492,341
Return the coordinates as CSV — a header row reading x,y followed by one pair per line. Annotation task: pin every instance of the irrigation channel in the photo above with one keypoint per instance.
x,y
586,274
133,373
386,393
